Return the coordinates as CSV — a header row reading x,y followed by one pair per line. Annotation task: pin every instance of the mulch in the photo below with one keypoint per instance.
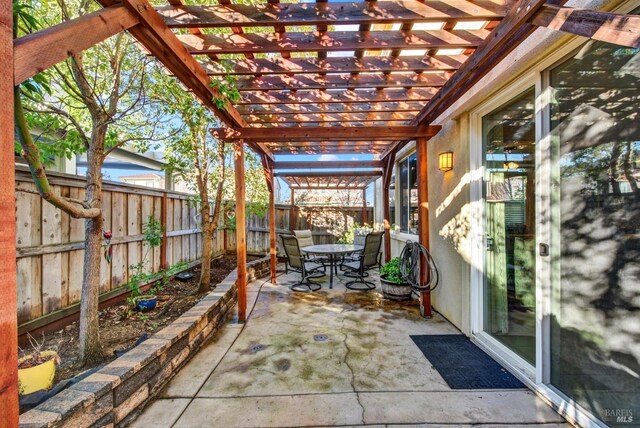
x,y
121,328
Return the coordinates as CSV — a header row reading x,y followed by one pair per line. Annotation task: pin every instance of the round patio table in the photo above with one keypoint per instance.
x,y
332,250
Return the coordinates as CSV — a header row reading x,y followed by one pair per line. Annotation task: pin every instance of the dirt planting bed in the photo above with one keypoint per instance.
x,y
121,328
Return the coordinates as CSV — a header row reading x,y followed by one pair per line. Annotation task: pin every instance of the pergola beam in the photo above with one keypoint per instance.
x,y
382,64
597,25
329,174
38,51
272,14
327,164
331,150
331,41
273,135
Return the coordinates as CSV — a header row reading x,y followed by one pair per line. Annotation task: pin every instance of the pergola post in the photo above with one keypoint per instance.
x,y
8,293
365,220
272,228
241,238
386,182
423,217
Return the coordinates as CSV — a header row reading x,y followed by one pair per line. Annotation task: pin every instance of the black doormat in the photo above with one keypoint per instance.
x,y
463,365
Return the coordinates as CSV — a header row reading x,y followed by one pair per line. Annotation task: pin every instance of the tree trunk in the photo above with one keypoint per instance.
x,y
90,346
205,274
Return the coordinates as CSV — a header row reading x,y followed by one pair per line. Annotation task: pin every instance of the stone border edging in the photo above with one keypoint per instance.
x,y
115,394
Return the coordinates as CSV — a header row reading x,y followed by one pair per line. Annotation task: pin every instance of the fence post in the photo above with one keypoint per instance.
x,y
292,212
163,221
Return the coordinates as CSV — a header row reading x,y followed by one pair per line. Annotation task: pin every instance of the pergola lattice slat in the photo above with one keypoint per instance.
x,y
272,14
331,41
292,109
381,64
318,97
332,117
340,81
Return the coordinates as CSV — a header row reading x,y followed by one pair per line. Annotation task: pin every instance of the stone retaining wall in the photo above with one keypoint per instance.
x,y
115,394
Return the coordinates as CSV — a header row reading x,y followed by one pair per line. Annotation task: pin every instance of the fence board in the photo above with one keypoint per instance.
x,y
49,241
52,225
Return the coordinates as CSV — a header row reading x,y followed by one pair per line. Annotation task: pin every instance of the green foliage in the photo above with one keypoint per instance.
x,y
226,86
104,87
152,232
256,192
391,271
24,22
152,238
348,235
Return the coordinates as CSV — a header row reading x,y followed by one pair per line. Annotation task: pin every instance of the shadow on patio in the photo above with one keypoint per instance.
x,y
330,358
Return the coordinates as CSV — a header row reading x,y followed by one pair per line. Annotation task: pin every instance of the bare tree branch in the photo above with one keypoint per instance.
x,y
32,155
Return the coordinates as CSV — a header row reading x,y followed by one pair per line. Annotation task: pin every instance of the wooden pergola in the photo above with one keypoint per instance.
x,y
323,90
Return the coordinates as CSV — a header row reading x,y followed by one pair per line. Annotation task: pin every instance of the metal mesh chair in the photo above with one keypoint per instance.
x,y
297,262
305,239
359,237
368,260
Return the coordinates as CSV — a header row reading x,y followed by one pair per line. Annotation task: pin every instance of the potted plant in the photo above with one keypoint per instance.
x,y
36,368
393,286
152,238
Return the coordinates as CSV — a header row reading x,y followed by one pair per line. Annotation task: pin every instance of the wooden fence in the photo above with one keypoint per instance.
x,y
50,244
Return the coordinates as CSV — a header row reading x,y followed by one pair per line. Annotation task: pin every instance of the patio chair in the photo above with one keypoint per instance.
x,y
359,236
368,260
297,262
305,239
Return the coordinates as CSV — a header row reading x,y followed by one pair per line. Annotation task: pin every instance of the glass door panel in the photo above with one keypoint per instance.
x,y
595,307
509,195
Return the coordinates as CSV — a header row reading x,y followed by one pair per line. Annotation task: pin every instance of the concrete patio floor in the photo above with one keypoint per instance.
x,y
329,358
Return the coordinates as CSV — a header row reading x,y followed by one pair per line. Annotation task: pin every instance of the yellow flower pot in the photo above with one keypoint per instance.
x,y
38,377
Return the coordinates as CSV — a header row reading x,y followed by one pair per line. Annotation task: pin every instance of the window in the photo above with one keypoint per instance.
x,y
408,195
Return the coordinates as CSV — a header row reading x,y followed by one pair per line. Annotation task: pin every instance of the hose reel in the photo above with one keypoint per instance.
x,y
410,266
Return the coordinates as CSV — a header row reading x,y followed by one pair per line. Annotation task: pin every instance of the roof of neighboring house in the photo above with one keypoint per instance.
x,y
141,177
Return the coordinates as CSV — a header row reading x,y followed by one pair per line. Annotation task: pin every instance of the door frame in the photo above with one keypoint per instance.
x,y
516,364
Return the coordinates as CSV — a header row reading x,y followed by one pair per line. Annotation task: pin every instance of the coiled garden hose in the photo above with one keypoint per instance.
x,y
410,267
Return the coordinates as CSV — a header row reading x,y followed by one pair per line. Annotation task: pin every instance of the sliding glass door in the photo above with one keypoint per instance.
x,y
595,281
509,205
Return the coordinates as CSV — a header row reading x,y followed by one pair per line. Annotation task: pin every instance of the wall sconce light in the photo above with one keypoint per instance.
x,y
445,161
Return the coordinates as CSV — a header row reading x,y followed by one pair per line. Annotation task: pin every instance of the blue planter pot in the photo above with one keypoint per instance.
x,y
145,303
